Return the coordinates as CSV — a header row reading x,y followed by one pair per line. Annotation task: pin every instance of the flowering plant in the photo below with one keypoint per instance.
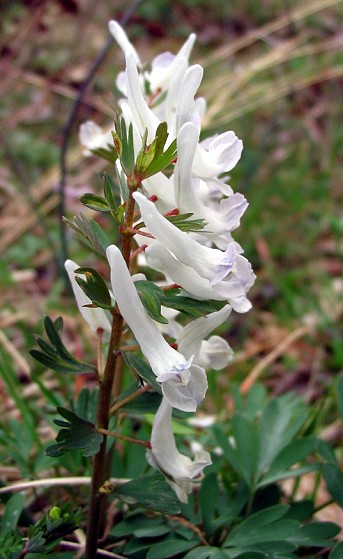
x,y
175,215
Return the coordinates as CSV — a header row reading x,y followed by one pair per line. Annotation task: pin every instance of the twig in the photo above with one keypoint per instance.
x,y
54,481
147,444
68,127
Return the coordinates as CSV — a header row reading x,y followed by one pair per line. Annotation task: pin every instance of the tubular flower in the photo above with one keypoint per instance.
x,y
228,272
183,383
179,470
214,353
96,318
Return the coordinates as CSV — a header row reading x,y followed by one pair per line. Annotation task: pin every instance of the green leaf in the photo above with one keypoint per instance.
x,y
337,551
142,369
207,552
56,356
76,433
94,287
280,421
151,296
95,202
264,526
109,153
123,140
150,492
316,534
246,447
152,159
11,543
110,187
191,307
170,548
334,482
91,232
184,223
14,507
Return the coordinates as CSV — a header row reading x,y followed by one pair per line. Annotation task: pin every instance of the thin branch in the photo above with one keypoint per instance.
x,y
128,399
54,481
66,134
147,444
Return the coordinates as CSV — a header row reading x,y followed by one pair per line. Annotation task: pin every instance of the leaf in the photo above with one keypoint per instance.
x,y
207,552
110,187
109,153
246,447
12,512
191,307
316,534
150,492
91,232
76,433
151,296
280,421
337,551
264,526
94,287
11,543
56,356
142,369
95,202
184,223
334,482
151,159
170,548
123,140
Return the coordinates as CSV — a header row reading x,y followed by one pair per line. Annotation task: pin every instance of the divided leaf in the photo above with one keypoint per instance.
x,y
76,433
94,287
150,492
55,355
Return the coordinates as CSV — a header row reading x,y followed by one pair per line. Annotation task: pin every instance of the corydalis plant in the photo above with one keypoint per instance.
x,y
174,209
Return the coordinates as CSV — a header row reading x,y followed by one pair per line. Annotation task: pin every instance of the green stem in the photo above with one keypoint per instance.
x,y
104,404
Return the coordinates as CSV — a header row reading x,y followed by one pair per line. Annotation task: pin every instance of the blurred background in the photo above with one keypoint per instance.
x,y
274,75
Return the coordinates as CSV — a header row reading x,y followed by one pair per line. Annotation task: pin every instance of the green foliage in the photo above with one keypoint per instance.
x,y
55,356
76,433
150,492
51,528
11,543
142,369
90,231
152,159
151,296
123,141
14,507
185,223
94,287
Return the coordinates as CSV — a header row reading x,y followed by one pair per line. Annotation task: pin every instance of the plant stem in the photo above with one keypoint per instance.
x,y
104,404
147,444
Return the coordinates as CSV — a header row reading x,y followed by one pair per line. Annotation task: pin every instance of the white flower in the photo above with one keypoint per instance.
x,y
217,155
96,317
179,470
228,272
195,286
93,137
214,353
221,217
183,384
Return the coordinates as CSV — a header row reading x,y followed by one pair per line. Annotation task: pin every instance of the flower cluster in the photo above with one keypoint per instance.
x,y
206,263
